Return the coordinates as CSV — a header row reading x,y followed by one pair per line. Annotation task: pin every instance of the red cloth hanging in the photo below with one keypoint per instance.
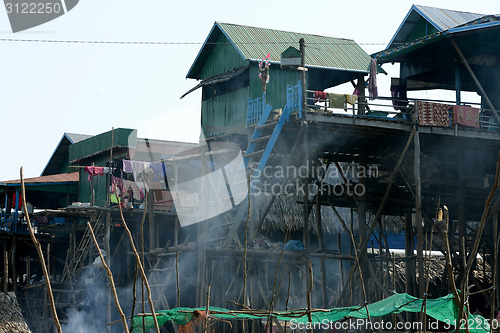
x,y
20,205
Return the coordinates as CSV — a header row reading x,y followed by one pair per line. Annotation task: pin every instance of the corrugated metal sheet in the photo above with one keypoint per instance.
x,y
123,137
75,137
326,52
58,162
483,24
439,20
444,19
60,178
225,110
253,43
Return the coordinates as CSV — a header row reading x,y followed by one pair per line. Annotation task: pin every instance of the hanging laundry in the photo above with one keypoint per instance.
x,y
95,171
433,114
90,172
336,101
356,91
399,96
128,166
116,185
113,198
99,171
466,116
126,189
137,169
351,99
372,80
319,95
158,170
20,203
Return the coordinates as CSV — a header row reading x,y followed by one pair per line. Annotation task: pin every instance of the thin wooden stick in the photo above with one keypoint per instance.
x,y
134,298
141,267
146,194
111,280
309,292
134,290
246,246
40,256
271,304
423,311
207,309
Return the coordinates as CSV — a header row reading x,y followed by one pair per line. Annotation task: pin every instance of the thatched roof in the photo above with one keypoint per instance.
x,y
11,318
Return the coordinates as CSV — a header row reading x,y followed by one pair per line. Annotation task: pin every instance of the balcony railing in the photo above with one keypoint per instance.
x,y
9,223
383,107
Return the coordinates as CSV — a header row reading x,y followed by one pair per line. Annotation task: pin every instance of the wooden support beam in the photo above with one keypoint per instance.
x,y
5,276
13,265
418,207
474,78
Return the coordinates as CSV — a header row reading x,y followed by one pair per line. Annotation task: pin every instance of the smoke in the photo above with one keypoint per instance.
x,y
90,314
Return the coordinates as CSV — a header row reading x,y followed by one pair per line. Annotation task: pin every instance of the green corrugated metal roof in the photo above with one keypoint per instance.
x,y
254,43
122,137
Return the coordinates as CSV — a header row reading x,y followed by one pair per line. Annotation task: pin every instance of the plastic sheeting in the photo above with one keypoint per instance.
x,y
442,309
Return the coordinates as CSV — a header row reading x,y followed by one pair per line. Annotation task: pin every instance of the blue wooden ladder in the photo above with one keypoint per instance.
x,y
294,104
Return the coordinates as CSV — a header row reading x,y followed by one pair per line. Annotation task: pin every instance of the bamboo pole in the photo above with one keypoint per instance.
x,y
141,267
42,260
111,280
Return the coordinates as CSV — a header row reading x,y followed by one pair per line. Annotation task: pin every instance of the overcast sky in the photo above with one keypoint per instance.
x,y
47,89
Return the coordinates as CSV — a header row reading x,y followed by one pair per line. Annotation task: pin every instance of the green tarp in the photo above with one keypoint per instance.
x,y
442,309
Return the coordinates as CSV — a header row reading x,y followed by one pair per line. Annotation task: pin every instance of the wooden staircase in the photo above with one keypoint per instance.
x,y
266,133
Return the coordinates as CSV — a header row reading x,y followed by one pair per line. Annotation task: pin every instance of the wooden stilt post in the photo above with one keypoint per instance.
x,y
151,215
418,208
409,255
13,265
42,260
5,277
141,267
494,263
107,237
28,270
111,280
321,246
176,244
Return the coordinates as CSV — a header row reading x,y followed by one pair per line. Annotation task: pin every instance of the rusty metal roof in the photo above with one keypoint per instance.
x,y
71,177
253,43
